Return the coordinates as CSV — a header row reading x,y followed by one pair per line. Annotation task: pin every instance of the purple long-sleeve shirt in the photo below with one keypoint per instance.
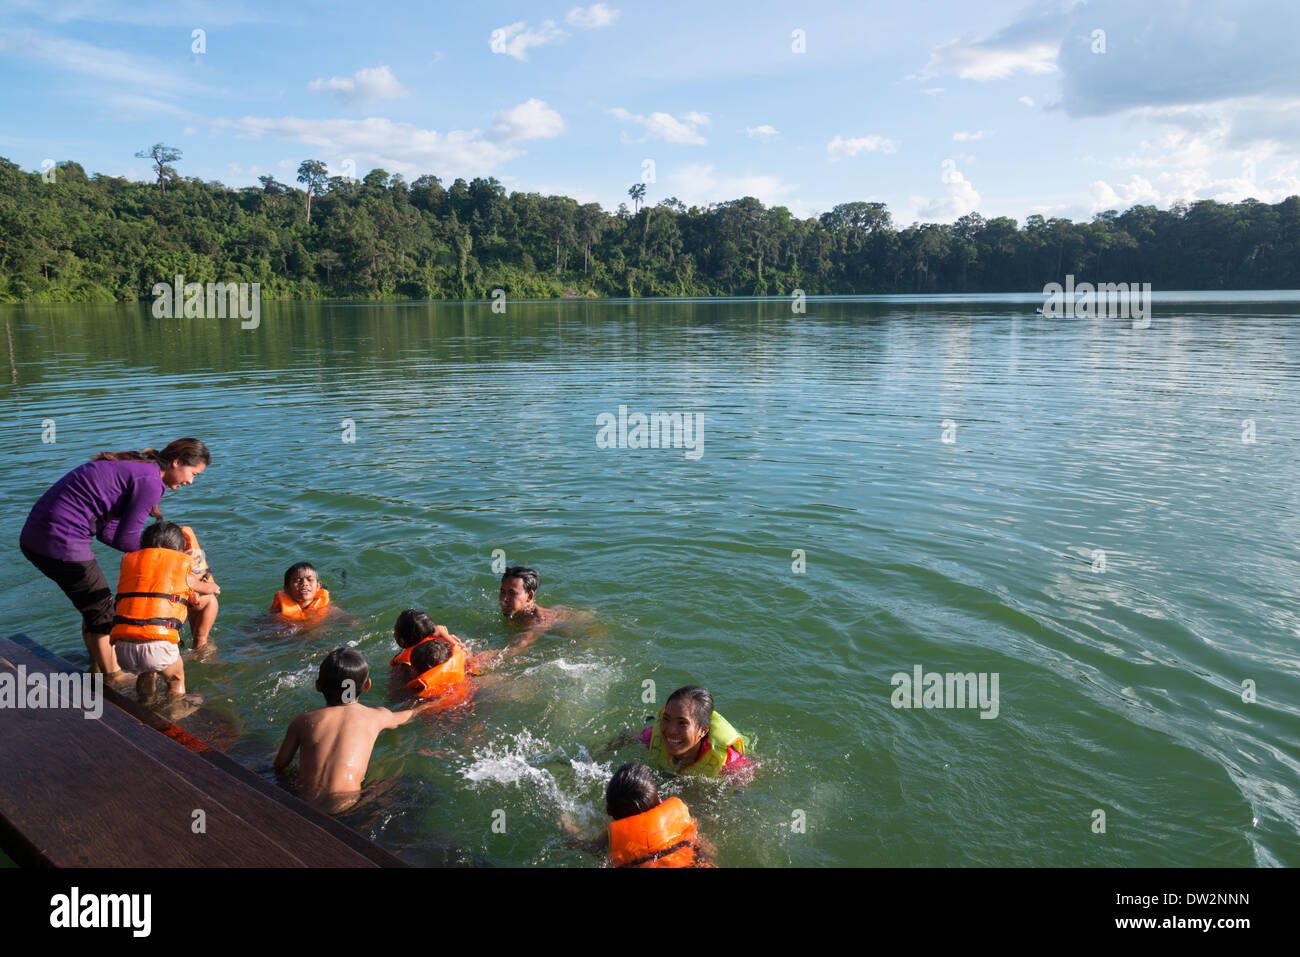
x,y
105,500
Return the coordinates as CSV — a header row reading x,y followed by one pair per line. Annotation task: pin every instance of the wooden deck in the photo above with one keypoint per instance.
x,y
120,791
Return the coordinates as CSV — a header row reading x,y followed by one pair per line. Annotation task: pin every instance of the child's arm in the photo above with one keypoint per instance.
x,y
621,740
200,587
395,719
289,747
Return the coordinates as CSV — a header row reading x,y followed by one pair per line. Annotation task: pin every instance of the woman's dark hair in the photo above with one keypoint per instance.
x,y
412,627
295,568
526,575
189,452
698,704
430,654
186,451
631,791
163,535
339,667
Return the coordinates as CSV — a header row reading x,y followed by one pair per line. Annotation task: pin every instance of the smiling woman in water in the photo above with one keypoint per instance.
x,y
108,498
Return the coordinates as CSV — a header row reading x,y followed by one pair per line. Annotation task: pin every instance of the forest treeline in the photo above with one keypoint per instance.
x,y
71,237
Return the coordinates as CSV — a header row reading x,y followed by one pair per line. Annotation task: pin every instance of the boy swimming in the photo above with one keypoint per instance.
x,y
518,602
302,594
337,740
155,591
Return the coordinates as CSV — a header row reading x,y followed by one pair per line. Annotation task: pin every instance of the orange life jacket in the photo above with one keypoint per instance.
x,y
282,604
200,559
441,679
664,836
403,657
151,593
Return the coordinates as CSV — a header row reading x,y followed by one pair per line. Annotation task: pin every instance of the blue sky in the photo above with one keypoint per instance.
x,y
937,109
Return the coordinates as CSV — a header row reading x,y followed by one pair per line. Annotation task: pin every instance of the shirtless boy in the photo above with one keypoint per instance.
x,y
336,740
518,603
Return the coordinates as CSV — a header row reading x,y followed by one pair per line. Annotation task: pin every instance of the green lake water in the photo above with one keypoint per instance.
x,y
1111,529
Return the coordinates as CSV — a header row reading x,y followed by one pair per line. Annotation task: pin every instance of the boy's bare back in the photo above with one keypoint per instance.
x,y
336,743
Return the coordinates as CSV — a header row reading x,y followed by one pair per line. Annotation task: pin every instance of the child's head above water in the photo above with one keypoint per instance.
x,y
301,583
631,791
518,586
163,535
686,718
411,628
343,676
430,654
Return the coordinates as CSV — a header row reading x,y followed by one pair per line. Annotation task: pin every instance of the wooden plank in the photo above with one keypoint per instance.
x,y
115,792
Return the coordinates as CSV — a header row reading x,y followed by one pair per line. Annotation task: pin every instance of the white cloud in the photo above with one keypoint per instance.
x,y
516,39
933,91
380,142
990,61
1027,100
662,126
530,120
591,18
189,131
1190,185
364,86
698,184
959,200
840,148
961,137
102,63
764,130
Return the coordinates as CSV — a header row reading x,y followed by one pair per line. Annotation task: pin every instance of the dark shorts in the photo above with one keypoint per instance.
x,y
84,583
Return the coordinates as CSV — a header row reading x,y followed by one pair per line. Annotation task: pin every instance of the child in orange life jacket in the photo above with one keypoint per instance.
x,y
202,615
441,667
647,832
302,596
411,628
155,590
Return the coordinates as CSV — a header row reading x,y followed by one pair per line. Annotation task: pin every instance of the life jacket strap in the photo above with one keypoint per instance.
x,y
664,853
173,623
149,594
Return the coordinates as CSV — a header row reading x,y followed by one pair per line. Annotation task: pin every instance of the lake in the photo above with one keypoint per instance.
x,y
879,489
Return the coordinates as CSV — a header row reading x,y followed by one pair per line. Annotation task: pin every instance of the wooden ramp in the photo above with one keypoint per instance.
x,y
121,791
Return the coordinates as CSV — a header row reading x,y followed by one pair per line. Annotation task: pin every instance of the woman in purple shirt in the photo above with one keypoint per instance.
x,y
108,498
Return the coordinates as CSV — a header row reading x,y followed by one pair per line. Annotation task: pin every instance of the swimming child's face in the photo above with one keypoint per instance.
x,y
681,734
514,599
303,587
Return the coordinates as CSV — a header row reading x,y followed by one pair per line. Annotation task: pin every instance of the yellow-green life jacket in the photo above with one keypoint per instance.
x,y
714,757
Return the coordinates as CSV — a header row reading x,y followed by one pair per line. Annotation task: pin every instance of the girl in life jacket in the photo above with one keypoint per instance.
x,y
155,590
302,596
646,832
689,737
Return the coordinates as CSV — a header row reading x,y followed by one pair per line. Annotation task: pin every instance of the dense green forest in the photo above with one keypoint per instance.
x,y
104,238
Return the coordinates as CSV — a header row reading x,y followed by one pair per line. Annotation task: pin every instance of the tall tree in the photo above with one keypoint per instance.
x,y
161,156
314,174
637,192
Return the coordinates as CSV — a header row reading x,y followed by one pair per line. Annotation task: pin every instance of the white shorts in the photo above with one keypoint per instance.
x,y
139,657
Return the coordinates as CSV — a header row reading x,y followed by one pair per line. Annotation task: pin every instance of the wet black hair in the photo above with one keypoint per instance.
x,y
526,575
298,567
340,666
412,627
163,535
631,791
698,702
430,654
